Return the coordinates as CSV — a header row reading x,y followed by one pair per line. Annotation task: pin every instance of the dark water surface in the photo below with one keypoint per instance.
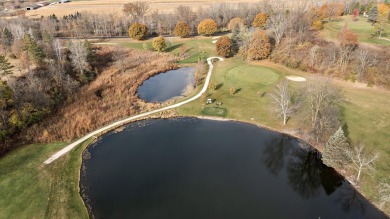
x,y
192,168
166,85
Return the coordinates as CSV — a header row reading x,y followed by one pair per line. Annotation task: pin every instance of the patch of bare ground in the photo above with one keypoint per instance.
x,y
110,97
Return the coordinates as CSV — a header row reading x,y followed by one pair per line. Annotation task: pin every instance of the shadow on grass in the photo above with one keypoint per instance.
x,y
219,86
170,49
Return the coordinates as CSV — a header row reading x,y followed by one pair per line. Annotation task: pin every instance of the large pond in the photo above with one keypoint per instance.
x,y
193,168
167,85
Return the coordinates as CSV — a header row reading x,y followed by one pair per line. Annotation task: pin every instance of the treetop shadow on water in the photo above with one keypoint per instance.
x,y
193,168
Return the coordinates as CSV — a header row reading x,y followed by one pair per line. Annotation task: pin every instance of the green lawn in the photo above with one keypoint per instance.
x,y
361,27
30,189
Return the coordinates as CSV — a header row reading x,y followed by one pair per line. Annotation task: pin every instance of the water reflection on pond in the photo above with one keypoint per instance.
x,y
165,86
192,168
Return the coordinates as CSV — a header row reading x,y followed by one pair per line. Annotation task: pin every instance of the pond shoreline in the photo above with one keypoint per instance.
x,y
82,191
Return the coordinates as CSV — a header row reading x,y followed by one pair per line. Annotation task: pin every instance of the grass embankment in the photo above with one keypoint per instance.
x,y
361,27
30,189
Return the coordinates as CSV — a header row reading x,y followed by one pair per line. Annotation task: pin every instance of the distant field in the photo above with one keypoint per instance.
x,y
115,6
361,27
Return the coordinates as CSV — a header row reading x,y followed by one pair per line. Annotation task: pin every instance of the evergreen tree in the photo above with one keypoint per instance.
x,y
235,38
5,66
373,14
335,154
91,56
7,38
34,51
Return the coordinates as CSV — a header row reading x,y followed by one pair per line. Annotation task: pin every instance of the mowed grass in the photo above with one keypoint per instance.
x,y
30,189
361,27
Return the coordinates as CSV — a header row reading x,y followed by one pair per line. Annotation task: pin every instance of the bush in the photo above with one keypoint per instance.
x,y
260,20
182,29
207,27
235,21
159,43
224,46
138,31
259,47
317,25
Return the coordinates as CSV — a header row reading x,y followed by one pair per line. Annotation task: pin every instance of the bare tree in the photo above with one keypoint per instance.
x,y
278,24
320,107
313,55
361,159
281,98
57,46
119,55
79,55
363,59
384,193
136,9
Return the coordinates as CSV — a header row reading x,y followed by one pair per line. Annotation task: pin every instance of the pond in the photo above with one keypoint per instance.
x,y
165,86
194,168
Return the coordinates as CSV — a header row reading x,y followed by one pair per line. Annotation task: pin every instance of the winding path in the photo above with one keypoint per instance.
x,y
127,120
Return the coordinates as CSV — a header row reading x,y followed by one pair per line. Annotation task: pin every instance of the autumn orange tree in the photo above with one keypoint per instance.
x,y
260,20
159,43
347,38
182,29
235,21
138,31
207,27
259,47
224,46
332,9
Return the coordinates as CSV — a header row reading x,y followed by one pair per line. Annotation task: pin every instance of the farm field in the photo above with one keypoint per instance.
x,y
115,6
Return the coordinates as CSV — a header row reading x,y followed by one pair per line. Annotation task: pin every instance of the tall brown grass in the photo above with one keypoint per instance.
x,y
110,97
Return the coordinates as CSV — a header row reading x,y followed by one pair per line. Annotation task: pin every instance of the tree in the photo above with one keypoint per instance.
x,y
136,9
355,14
281,98
235,21
79,56
384,193
207,27
349,42
259,47
159,43
317,25
320,107
260,20
224,46
383,9
34,51
334,154
138,31
278,24
363,63
373,14
361,159
119,55
7,38
332,9
5,67
182,29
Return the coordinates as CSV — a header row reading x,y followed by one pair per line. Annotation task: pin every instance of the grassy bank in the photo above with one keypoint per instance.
x,y
30,189
361,27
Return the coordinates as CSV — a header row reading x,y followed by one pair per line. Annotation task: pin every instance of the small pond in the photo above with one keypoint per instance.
x,y
193,168
165,86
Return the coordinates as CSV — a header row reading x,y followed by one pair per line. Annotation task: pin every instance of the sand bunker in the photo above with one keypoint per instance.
x,y
216,37
214,41
295,78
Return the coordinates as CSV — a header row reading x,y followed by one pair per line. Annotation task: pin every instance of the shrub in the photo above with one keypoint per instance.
x,y
182,29
224,46
159,43
317,25
138,31
232,90
259,47
207,27
260,20
235,21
